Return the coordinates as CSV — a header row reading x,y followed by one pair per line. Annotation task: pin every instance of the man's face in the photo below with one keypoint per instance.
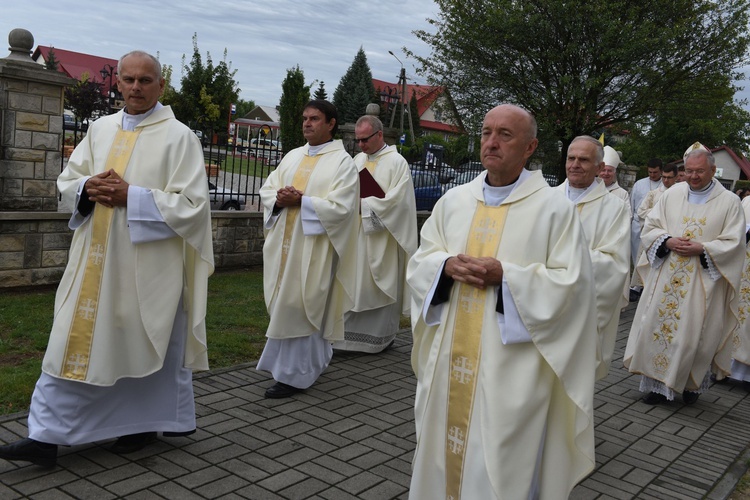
x,y
139,83
608,175
315,128
654,173
698,171
581,165
369,142
668,179
506,142
681,177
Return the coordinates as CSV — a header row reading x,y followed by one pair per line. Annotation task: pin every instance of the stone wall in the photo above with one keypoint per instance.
x,y
34,245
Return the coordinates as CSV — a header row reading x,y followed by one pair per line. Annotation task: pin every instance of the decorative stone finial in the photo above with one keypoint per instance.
x,y
21,42
373,109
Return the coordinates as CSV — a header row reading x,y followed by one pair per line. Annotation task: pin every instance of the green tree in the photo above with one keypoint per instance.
x,y
51,62
705,113
244,107
320,92
580,65
355,90
294,95
206,88
85,99
414,114
169,96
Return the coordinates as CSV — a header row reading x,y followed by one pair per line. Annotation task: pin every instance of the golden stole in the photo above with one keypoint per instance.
x,y
301,177
484,240
81,334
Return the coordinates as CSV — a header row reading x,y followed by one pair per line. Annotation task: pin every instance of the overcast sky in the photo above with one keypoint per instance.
x,y
263,38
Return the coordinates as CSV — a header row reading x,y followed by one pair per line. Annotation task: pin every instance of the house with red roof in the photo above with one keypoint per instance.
x,y
437,112
76,65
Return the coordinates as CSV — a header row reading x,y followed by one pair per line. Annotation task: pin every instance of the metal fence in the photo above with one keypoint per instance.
x,y
236,171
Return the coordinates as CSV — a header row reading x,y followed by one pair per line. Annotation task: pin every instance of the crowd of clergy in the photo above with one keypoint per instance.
x,y
514,291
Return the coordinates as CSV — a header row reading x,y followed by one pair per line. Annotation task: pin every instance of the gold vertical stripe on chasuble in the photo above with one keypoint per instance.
x,y
81,334
484,240
301,177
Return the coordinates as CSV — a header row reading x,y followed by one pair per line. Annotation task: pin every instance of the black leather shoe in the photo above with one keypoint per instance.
x,y
177,434
280,390
133,442
690,397
28,450
654,398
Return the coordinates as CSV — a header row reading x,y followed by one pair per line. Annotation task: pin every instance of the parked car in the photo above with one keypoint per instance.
x,y
470,165
267,149
427,189
69,123
224,199
444,171
461,178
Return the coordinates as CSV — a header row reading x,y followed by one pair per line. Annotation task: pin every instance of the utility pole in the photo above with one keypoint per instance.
x,y
402,85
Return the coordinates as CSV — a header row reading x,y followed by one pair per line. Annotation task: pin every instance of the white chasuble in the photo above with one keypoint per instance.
x,y
128,317
530,421
741,338
387,238
307,279
685,319
606,224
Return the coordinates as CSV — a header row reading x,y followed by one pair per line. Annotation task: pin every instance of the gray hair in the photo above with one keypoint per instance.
x,y
141,53
374,122
599,154
700,151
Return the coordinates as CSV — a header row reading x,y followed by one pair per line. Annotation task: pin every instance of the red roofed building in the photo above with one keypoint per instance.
x,y
437,113
76,64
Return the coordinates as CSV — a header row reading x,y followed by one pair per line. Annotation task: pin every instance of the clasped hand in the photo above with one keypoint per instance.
x,y
685,247
108,189
288,196
479,272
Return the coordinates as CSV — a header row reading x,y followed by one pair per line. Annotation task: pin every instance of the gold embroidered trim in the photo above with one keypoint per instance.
x,y
484,240
81,334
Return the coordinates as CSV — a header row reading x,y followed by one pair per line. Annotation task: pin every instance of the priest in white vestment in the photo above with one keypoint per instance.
x,y
741,338
668,179
310,205
504,358
606,224
609,175
129,321
637,194
683,326
387,238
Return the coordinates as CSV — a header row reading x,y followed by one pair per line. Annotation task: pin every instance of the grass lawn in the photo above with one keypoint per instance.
x,y
236,322
245,166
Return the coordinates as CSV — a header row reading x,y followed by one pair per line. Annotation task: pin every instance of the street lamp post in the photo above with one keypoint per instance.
x,y
109,71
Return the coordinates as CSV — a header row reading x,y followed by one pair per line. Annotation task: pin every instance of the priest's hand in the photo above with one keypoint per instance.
x,y
685,247
108,189
288,196
479,272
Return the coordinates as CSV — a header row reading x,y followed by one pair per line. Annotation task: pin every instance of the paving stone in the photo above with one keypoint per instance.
x,y
362,481
221,487
304,489
282,480
128,486
255,492
201,477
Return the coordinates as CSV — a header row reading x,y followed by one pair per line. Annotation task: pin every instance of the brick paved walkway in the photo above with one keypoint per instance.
x,y
352,436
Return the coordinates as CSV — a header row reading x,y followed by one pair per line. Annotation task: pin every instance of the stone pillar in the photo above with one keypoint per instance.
x,y
31,128
626,176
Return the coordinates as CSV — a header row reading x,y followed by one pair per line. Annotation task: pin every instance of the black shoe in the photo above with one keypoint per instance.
x,y
654,398
133,442
690,397
177,434
280,390
28,450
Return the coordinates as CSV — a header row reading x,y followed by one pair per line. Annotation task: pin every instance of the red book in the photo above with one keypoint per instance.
x,y
368,186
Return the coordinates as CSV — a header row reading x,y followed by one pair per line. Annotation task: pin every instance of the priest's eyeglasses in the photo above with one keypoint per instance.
x,y
697,172
365,139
